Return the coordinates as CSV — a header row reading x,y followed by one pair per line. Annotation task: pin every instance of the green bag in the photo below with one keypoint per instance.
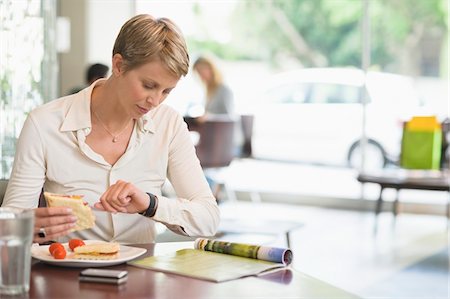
x,y
421,145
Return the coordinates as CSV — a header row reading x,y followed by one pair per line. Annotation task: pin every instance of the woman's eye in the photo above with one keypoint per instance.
x,y
149,86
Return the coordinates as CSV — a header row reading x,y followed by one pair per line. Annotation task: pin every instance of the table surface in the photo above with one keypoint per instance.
x,y
417,179
49,281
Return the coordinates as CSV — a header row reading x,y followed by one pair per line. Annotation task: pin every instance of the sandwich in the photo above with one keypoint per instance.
x,y
97,251
85,217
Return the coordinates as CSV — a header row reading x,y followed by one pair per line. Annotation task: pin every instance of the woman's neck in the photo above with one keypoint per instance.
x,y
106,105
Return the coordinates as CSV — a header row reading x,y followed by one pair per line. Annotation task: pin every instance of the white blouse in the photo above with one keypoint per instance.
x,y
52,153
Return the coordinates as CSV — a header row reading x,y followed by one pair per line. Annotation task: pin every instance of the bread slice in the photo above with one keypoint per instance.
x,y
97,251
85,217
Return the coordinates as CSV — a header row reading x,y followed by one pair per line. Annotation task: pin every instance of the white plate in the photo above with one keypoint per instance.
x,y
126,253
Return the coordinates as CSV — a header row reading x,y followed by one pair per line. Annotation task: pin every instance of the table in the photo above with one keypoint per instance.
x,y
49,281
407,179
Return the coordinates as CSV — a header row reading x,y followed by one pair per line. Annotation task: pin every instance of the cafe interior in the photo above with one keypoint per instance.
x,y
337,146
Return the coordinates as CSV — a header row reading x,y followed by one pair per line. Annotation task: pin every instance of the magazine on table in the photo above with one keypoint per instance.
x,y
219,261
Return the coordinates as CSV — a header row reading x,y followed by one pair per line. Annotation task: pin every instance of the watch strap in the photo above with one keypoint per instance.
x,y
153,204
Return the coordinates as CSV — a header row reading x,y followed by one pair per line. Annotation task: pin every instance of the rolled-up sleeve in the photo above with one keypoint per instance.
x,y
194,212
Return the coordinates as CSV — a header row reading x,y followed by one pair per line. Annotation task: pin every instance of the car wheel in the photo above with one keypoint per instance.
x,y
375,156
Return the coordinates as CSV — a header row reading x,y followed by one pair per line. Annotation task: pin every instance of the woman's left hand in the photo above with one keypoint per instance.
x,y
123,197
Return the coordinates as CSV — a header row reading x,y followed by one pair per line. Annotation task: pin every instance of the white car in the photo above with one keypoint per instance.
x,y
316,115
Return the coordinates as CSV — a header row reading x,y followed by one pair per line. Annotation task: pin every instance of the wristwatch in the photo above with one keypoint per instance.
x,y
152,206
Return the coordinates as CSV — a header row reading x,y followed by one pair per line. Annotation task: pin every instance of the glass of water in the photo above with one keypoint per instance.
x,y
16,237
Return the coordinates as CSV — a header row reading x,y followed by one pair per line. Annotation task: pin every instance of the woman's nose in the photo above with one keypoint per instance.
x,y
154,99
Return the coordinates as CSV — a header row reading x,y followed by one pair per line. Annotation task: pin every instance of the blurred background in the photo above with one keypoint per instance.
x,y
323,79
329,85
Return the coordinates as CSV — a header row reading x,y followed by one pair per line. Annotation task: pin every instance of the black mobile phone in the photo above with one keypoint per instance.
x,y
103,275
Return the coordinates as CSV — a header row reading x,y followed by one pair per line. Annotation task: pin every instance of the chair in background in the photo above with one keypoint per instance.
x,y
215,146
247,133
215,150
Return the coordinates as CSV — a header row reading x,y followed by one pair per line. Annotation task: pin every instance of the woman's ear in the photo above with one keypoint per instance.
x,y
117,65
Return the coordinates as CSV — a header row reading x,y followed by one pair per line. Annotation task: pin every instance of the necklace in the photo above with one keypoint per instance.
x,y
114,136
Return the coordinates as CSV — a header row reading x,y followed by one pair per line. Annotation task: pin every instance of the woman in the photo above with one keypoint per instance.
x,y
219,97
115,143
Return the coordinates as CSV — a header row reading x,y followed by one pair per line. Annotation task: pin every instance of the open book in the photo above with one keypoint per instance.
x,y
218,261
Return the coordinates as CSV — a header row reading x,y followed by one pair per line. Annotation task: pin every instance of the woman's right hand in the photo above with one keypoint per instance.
x,y
55,221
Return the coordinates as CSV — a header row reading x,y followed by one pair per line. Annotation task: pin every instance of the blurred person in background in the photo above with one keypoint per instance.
x,y
93,73
219,97
219,105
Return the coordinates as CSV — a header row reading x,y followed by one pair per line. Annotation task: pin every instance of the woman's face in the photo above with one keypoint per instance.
x,y
204,72
145,87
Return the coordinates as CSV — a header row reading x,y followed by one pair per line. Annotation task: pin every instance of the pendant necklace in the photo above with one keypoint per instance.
x,y
116,136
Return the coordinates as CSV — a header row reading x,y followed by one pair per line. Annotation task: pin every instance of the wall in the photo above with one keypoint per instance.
x,y
94,27
72,63
105,19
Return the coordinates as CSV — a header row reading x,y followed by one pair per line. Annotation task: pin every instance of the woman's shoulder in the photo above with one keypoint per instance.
x,y
225,86
59,105
165,111
224,89
165,116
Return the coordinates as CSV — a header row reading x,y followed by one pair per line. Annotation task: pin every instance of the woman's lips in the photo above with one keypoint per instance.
x,y
142,110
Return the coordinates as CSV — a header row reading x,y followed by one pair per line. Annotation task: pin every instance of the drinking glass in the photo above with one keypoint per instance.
x,y
16,236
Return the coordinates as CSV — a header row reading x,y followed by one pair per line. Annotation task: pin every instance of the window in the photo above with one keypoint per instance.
x,y
323,93
288,93
27,74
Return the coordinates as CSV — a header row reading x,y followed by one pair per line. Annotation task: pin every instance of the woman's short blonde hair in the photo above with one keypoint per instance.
x,y
143,39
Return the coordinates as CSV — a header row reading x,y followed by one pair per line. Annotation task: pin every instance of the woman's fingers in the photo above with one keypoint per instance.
x,y
53,211
57,230
53,222
116,205
115,198
123,197
53,232
44,222
118,193
132,198
99,206
110,208
106,205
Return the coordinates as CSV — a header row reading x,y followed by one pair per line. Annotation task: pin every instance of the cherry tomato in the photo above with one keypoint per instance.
x,y
59,253
54,246
74,243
